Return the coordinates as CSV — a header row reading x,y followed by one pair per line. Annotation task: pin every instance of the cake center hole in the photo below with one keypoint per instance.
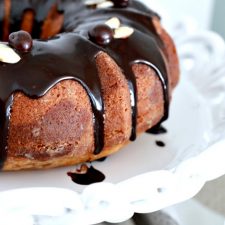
x,y
39,29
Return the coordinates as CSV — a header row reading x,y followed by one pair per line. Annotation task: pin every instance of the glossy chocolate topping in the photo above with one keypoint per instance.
x,y
61,57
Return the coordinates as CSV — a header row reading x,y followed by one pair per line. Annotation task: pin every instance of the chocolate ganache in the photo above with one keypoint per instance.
x,y
62,56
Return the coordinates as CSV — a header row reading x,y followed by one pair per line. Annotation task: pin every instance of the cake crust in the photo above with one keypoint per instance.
x,y
42,122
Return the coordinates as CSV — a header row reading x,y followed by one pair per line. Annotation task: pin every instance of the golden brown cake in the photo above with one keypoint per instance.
x,y
101,72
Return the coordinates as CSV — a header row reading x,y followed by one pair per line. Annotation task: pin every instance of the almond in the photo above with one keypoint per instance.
x,y
113,23
93,2
123,32
106,4
8,55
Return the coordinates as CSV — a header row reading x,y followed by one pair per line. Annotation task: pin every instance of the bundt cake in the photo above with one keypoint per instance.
x,y
79,79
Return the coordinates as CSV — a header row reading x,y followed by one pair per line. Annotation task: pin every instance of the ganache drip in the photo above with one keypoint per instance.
x,y
90,176
62,58
158,129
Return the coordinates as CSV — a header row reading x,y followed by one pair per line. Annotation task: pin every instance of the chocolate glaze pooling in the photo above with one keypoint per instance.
x,y
91,176
158,129
61,57
160,143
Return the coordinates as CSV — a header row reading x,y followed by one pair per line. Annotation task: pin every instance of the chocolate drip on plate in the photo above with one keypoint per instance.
x,y
160,143
158,129
91,176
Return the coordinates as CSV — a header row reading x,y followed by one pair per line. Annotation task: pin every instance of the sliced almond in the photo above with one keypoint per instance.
x,y
123,32
113,23
93,2
8,55
106,4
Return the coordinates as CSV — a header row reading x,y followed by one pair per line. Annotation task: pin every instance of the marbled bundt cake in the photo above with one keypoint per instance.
x,y
93,75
